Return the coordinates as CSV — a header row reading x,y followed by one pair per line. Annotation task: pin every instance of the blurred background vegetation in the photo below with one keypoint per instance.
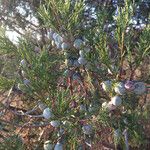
x,y
29,21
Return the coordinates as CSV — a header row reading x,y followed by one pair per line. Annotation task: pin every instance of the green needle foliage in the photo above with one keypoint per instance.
x,y
69,80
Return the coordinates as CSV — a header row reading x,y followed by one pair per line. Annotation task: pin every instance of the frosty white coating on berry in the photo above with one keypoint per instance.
x,y
58,38
104,104
26,82
116,101
76,63
50,34
139,88
82,61
78,43
48,145
64,46
54,36
23,63
23,73
53,43
47,113
117,133
55,123
119,88
112,69
82,107
58,146
106,85
110,106
81,53
58,45
87,129
129,85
